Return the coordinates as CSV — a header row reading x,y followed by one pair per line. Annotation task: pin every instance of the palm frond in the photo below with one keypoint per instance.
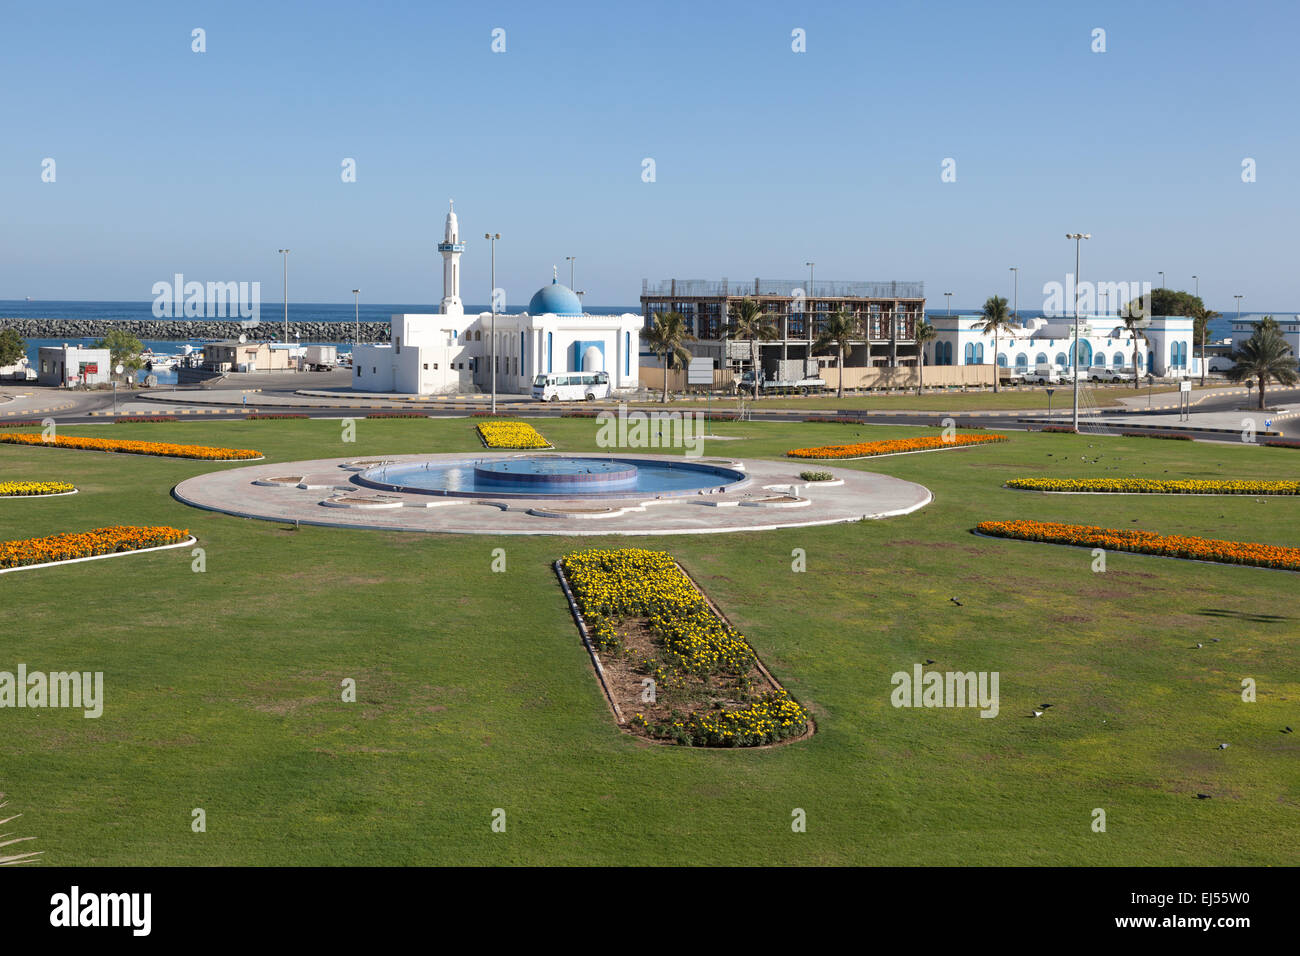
x,y
12,859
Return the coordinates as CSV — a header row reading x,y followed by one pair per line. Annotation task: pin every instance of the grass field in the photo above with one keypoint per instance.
x,y
474,692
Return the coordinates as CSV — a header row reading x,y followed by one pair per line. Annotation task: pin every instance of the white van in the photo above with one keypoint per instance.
x,y
1048,374
571,386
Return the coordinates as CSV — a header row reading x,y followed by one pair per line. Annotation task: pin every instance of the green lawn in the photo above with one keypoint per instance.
x,y
475,693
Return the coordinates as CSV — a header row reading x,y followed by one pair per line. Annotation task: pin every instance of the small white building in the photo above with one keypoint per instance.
x,y
448,351
66,365
1164,344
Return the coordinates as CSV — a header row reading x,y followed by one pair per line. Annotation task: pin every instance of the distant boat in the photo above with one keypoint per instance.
x,y
29,298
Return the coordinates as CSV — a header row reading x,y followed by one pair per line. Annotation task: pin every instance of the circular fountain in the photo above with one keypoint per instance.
x,y
553,476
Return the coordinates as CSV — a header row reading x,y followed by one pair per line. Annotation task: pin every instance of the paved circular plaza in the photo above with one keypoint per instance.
x,y
330,492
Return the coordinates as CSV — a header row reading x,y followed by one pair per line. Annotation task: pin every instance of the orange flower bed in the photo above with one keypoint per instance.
x,y
86,544
893,446
162,449
1147,542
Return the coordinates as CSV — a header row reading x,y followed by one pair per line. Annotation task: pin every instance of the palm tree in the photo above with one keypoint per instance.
x,y
839,330
749,321
1133,325
1201,320
925,332
666,337
996,319
1263,356
12,858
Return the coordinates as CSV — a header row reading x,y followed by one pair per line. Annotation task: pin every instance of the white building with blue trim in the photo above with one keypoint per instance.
x,y
450,352
1164,344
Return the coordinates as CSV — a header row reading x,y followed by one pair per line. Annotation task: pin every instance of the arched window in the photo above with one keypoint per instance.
x,y
1118,360
1099,359
1041,359
970,353
1151,361
947,353
1085,353
979,353
1002,360
1062,359
1022,360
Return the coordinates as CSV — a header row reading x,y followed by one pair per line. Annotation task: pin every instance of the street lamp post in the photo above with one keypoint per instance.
x,y
1078,238
948,297
285,253
808,312
1162,279
1015,309
571,259
492,238
356,305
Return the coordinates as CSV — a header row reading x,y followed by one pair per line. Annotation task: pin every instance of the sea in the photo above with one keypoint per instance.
x,y
1220,328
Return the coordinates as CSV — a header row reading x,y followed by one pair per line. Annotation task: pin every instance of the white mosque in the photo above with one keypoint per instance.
x,y
449,352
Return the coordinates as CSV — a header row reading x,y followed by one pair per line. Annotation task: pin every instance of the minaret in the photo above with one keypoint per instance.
x,y
451,247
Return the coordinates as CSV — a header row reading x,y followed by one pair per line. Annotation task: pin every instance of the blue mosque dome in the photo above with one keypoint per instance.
x,y
555,298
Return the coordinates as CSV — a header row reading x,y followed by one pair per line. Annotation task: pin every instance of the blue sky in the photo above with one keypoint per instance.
x,y
172,161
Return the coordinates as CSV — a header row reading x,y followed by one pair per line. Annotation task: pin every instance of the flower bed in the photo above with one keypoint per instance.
x,y
86,544
1147,542
24,424
894,446
136,419
1060,429
578,414
1174,436
643,610
1152,486
1282,443
34,489
162,449
397,415
510,435
256,417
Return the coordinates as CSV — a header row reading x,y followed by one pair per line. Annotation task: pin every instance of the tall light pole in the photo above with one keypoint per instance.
x,y
1197,280
1162,279
808,312
1238,298
1015,309
285,253
356,304
571,259
948,297
492,238
1078,238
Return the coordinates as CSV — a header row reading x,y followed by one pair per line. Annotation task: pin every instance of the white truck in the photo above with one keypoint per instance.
x,y
792,375
1048,374
320,358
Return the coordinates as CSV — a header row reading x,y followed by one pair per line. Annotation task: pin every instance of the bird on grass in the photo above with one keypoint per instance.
x,y
1288,730
956,602
929,660
1203,796
1044,706
1223,746
1199,644
1037,713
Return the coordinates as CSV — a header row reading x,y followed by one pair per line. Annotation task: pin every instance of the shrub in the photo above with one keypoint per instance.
x,y
816,475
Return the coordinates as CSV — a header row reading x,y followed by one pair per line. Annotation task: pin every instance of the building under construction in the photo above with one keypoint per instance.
x,y
888,312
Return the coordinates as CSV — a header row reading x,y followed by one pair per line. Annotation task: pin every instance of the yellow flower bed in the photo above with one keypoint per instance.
x,y
611,587
23,489
1154,486
511,435
161,449
86,544
893,446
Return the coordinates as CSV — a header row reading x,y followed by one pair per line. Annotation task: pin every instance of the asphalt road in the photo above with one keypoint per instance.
x,y
1011,420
